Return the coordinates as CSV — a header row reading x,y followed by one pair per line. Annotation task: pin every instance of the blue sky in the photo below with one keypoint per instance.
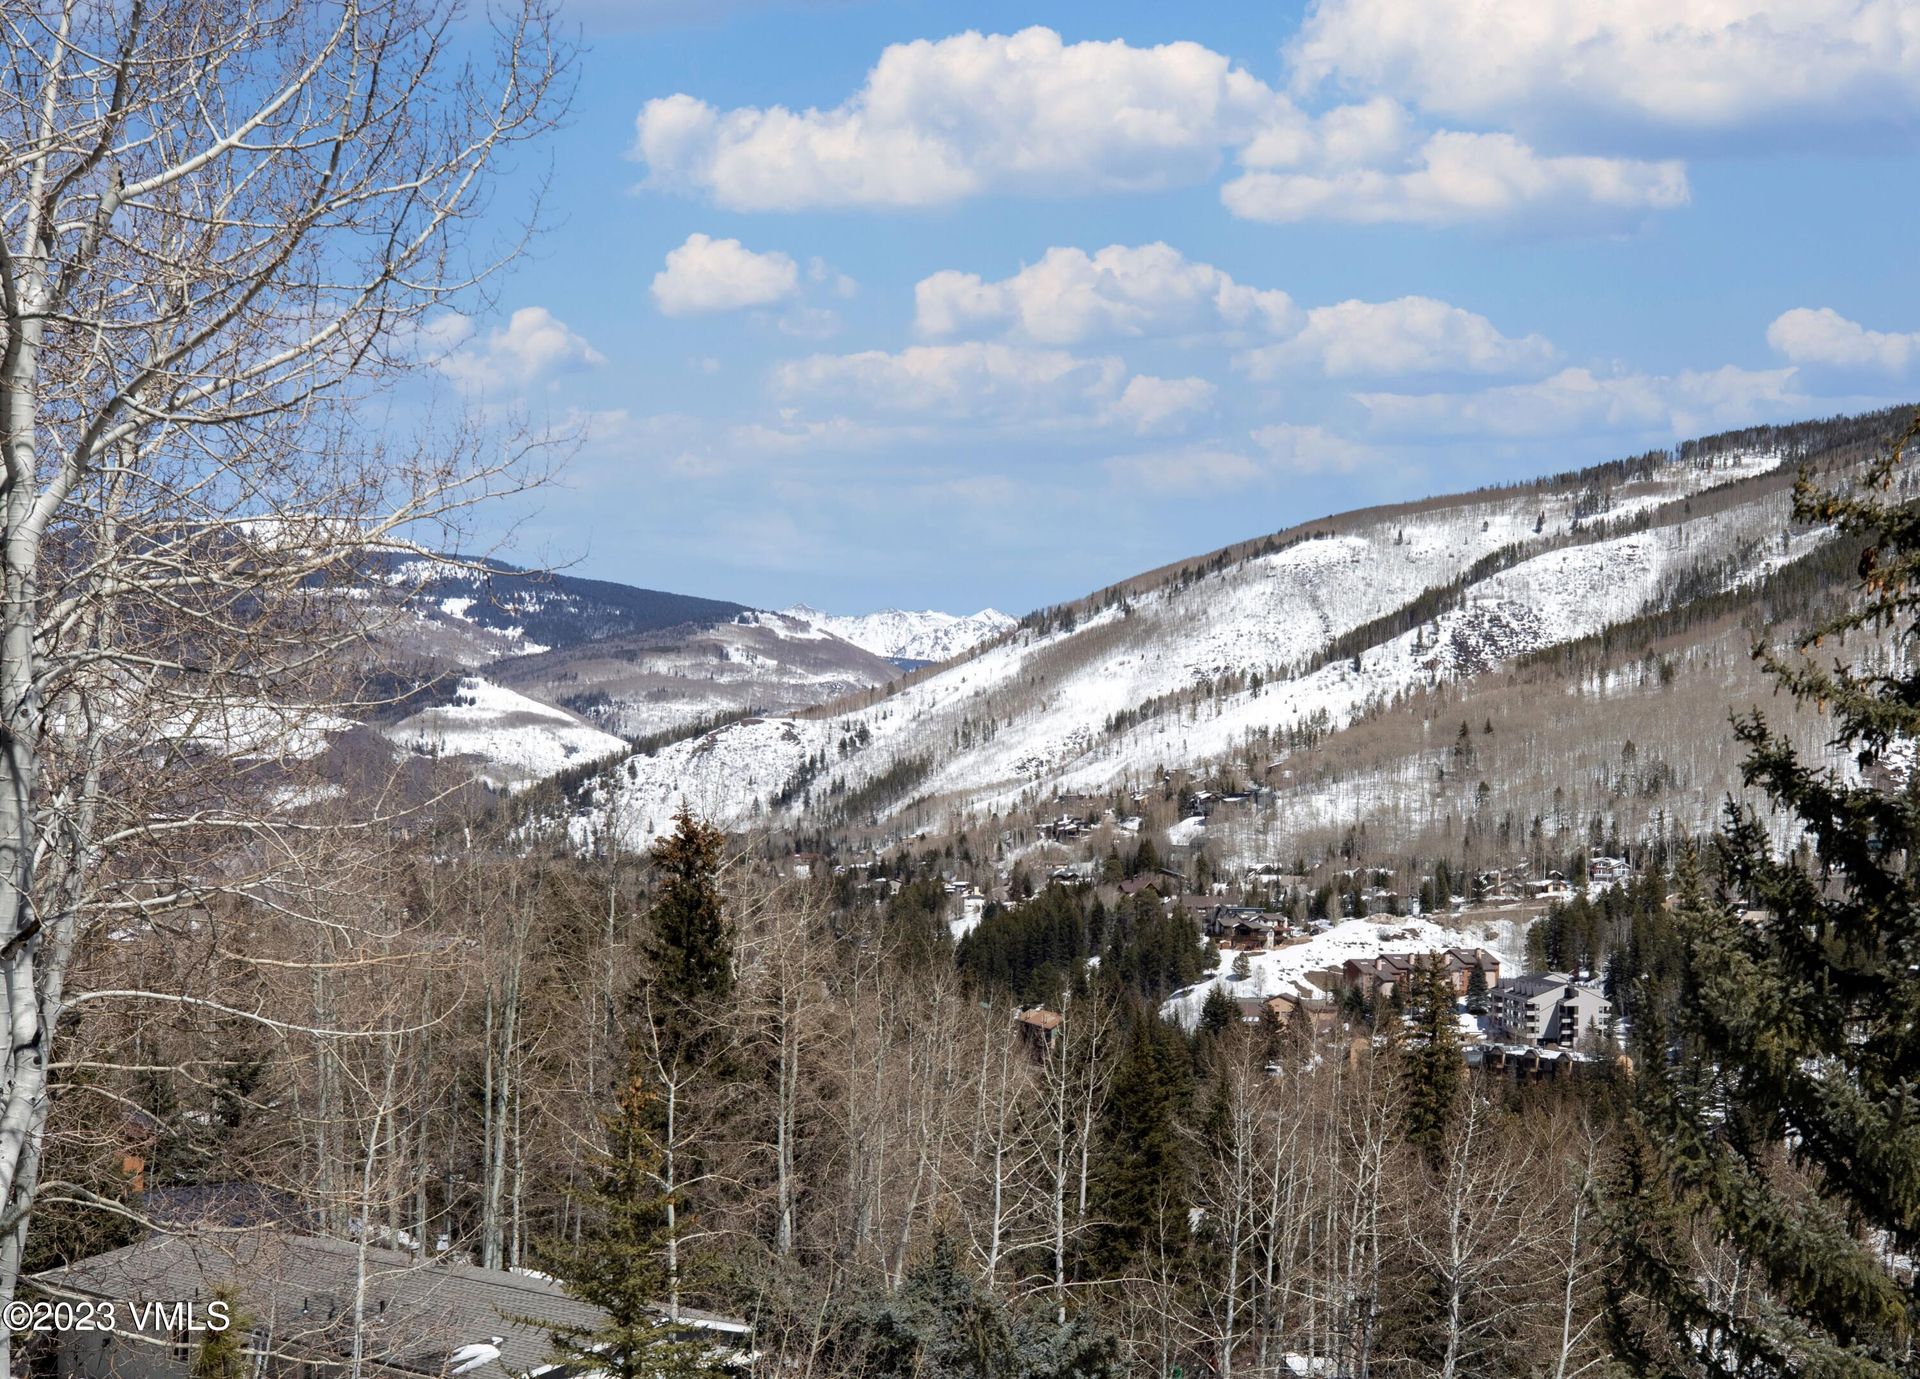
x,y
902,304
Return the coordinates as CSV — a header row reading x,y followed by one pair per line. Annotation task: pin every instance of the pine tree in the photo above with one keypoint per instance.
x,y
223,1354
1218,1013
1778,1112
1434,1074
1140,1188
690,948
620,1265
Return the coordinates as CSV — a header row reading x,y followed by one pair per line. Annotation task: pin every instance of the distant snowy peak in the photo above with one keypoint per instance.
x,y
900,635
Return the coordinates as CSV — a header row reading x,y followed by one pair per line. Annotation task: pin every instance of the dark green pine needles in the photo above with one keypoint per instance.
x,y
1768,1203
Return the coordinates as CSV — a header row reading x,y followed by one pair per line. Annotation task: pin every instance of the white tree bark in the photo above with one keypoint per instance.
x,y
218,224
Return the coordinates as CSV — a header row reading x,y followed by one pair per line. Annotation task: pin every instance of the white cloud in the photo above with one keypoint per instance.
x,y
994,383
1577,400
1701,64
1187,469
532,346
1278,452
1071,296
1154,404
939,120
1824,336
820,271
1407,336
972,380
810,323
706,274
1456,178
1311,450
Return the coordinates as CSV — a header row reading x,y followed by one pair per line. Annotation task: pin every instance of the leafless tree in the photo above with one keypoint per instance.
x,y
223,225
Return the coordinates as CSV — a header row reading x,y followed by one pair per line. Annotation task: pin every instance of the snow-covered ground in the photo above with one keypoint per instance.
x,y
1138,685
901,635
1283,971
517,739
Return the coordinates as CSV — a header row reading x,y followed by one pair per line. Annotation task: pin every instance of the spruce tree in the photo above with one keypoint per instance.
x,y
620,1263
1140,1186
1779,1113
223,1354
1219,1012
1434,1074
690,948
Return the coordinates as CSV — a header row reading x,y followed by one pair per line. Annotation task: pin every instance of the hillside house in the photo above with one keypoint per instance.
x,y
1236,925
299,1294
1609,871
805,865
1390,972
1284,1009
970,905
1036,1027
1554,886
1547,1008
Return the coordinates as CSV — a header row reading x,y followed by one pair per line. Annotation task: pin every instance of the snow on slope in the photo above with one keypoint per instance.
x,y
727,775
1135,686
658,681
519,740
904,636
1283,971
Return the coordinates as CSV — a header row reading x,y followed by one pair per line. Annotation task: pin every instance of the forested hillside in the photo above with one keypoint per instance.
x,y
1057,1080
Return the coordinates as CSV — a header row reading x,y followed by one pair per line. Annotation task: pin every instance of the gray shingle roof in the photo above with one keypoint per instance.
x,y
1533,985
301,1288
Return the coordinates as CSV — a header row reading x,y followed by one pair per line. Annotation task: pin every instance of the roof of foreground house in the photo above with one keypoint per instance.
x,y
301,1289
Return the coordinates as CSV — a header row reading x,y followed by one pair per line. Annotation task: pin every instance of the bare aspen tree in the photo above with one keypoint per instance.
x,y
1579,1259
221,226
1001,1145
1073,1076
1228,1191
1479,1231
501,1066
783,977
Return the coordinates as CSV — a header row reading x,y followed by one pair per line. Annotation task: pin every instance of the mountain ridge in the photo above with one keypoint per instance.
x,y
1228,656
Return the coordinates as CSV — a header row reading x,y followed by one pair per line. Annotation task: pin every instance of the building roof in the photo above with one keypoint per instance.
x,y
1041,1018
416,1313
1540,983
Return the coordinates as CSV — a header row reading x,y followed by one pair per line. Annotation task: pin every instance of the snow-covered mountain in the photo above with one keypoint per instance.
x,y
511,739
1228,657
898,635
653,682
471,612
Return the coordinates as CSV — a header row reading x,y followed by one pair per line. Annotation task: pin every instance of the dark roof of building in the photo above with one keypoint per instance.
x,y
301,1288
1534,984
177,1207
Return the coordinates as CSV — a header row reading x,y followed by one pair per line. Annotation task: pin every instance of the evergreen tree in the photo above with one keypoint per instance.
x,y
690,948
943,1323
1777,1113
1434,1074
1219,1012
223,1354
1140,1187
620,1263
1075,1349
